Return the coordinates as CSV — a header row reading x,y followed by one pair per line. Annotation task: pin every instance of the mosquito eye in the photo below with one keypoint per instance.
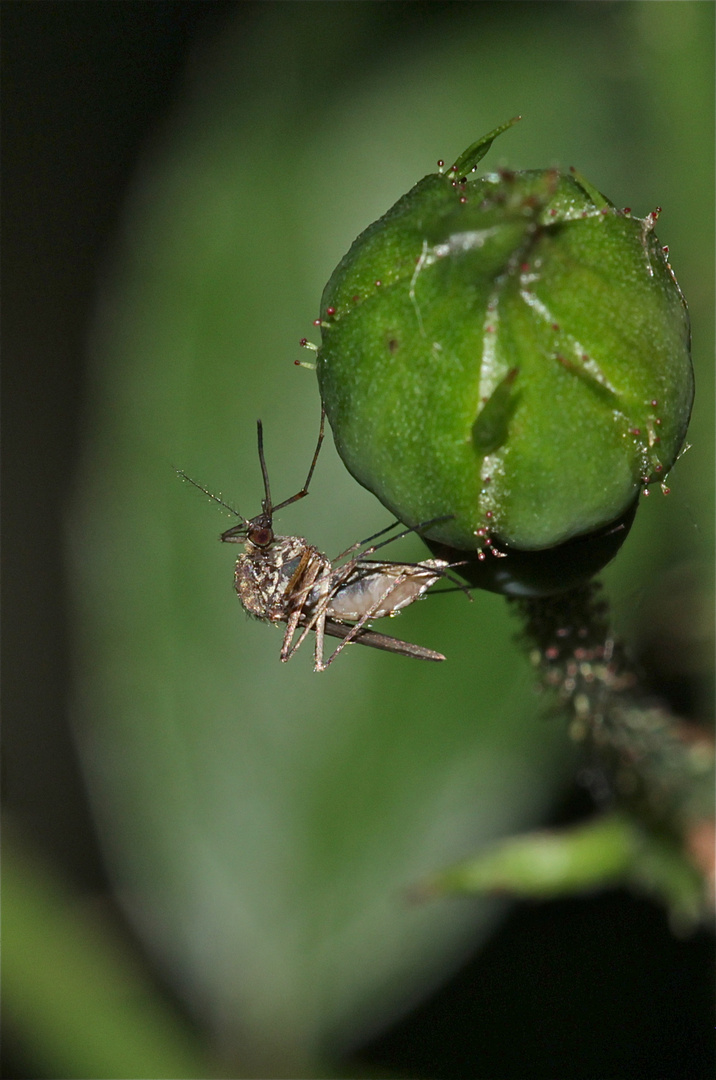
x,y
261,536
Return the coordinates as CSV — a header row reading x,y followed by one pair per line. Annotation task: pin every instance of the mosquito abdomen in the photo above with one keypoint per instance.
x,y
383,589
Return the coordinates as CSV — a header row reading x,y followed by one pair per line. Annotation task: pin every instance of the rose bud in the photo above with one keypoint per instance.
x,y
509,351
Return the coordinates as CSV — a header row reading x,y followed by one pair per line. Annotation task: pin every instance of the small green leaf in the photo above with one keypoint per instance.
x,y
612,849
470,158
546,864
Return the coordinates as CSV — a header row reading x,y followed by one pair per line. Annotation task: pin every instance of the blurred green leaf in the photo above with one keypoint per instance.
x,y
608,850
72,999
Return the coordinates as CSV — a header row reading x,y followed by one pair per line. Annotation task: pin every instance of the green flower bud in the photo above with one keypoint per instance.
x,y
510,350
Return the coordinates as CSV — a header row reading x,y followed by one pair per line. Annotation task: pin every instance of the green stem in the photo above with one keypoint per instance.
x,y
658,768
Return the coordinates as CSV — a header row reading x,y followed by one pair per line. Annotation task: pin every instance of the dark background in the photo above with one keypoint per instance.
x,y
77,112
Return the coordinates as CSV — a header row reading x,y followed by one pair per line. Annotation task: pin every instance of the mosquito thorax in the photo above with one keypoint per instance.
x,y
264,573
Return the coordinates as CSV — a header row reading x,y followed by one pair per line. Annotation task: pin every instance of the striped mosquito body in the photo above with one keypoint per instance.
x,y
284,579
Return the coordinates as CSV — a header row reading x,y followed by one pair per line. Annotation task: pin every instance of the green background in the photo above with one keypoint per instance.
x,y
260,823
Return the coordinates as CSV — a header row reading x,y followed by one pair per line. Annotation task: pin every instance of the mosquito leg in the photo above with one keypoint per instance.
x,y
304,490
366,617
399,536
320,621
287,650
266,503
320,572
313,570
306,628
374,547
361,543
321,430
460,586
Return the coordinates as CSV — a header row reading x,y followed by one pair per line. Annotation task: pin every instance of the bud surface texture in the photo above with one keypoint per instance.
x,y
510,350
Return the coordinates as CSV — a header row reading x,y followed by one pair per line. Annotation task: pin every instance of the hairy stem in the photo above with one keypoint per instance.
x,y
653,764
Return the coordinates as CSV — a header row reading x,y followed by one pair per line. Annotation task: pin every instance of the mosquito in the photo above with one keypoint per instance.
x,y
284,579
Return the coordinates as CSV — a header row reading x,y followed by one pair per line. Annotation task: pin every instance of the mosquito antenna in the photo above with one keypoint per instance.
x,y
215,498
304,490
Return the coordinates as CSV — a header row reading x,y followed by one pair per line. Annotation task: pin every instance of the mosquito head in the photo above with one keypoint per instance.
x,y
258,531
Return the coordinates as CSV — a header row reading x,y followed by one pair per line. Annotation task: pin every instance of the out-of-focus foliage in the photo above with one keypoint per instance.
x,y
76,1002
262,822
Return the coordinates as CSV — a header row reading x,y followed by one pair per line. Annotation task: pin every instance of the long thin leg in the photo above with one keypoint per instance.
x,y
318,664
311,573
361,543
317,619
406,532
304,490
376,547
357,627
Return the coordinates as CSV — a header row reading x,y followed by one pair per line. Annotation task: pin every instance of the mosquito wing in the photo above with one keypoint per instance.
x,y
380,641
